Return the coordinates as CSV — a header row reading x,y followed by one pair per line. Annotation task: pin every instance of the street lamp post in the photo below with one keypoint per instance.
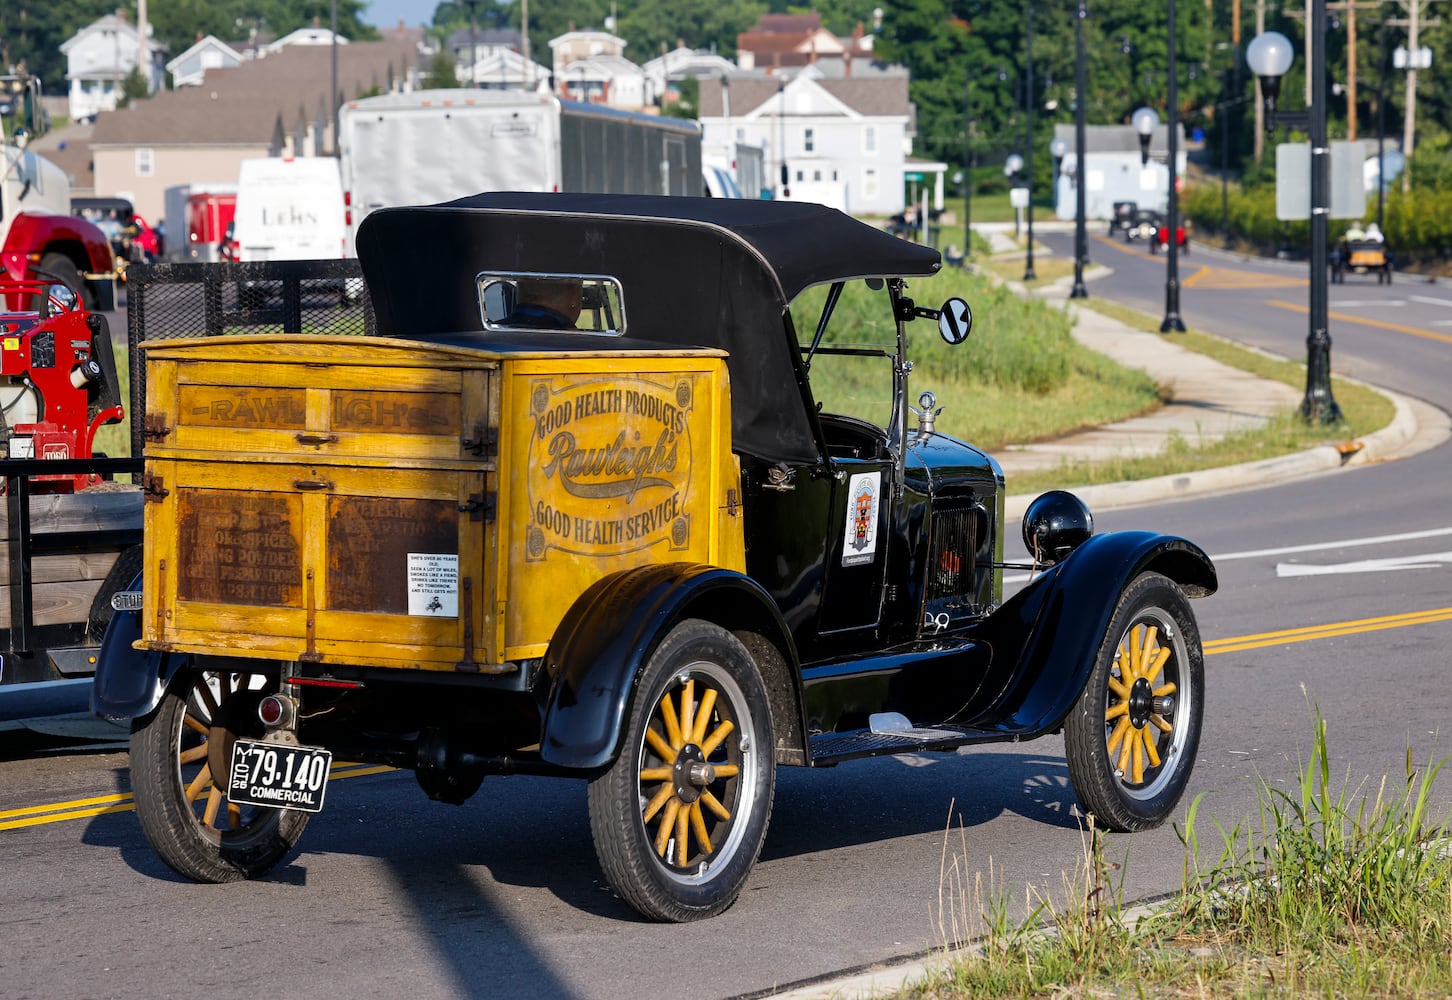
x,y
1269,56
1011,167
968,162
1172,322
1081,179
1028,49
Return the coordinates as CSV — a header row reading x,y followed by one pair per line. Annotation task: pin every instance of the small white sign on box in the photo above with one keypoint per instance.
x,y
1018,197
433,584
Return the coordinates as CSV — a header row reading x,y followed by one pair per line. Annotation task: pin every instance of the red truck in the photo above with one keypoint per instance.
x,y
36,227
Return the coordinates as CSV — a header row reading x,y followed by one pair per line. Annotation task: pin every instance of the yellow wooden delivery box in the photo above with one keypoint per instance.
x,y
393,503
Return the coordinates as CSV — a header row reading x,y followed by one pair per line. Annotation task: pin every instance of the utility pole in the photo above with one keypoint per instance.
x,y
1259,105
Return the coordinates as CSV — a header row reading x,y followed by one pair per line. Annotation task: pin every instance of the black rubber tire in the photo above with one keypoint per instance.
x,y
65,268
1115,798
123,571
657,881
177,828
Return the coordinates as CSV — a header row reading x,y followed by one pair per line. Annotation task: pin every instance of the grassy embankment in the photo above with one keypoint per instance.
x,y
1330,892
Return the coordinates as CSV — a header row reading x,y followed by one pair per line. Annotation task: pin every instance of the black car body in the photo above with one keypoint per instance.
x,y
861,612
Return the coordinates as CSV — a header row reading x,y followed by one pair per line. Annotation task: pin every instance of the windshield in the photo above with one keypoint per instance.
x,y
851,369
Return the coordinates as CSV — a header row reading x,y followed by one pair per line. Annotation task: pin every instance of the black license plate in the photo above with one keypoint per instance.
x,y
279,775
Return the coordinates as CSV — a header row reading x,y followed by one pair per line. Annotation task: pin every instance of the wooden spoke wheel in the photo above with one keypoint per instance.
x,y
1132,738
679,818
177,753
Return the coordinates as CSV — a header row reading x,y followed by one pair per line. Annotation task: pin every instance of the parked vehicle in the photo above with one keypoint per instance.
x,y
133,240
70,544
289,209
1161,236
1123,218
435,145
197,216
652,549
37,231
718,181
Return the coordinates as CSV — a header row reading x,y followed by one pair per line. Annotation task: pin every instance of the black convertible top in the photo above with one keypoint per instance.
x,y
694,272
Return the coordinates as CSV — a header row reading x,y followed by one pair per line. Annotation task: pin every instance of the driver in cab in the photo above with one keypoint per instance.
x,y
546,304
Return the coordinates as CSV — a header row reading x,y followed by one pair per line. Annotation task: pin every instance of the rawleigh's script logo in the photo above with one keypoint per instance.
x,y
610,463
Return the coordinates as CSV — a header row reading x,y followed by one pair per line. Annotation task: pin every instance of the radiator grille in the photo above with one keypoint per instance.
x,y
952,555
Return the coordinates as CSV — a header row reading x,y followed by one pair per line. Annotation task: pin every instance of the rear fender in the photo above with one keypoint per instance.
x,y
610,632
129,682
1046,638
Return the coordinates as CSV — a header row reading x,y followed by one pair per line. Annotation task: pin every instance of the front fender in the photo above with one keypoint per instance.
x,y
1045,638
609,634
129,682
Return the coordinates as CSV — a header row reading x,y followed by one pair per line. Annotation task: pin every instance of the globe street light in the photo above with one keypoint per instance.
x,y
1060,151
1012,165
1269,57
1144,121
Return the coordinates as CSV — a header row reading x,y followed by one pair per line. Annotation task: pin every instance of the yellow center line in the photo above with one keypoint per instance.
x,y
1194,279
1380,324
100,805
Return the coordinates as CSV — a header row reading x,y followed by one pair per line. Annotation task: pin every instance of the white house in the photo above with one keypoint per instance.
x,y
188,69
313,34
843,140
100,56
1115,170
504,69
680,63
591,66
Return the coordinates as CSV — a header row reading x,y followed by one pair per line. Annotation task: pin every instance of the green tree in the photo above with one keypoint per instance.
x,y
442,73
133,88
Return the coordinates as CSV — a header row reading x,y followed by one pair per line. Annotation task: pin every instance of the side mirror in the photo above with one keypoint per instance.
x,y
955,321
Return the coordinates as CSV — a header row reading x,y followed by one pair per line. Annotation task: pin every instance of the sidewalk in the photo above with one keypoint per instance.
x,y
1208,400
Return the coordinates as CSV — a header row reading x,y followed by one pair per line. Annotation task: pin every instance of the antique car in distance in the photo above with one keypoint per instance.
x,y
594,505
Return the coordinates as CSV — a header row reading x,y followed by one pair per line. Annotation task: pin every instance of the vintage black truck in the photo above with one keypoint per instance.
x,y
645,549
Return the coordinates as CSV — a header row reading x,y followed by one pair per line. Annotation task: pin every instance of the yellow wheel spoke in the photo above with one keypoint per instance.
x,y
683,842
234,816
698,826
1119,730
1136,760
655,774
1149,746
727,770
1161,724
195,724
653,806
662,749
1124,750
668,715
1165,689
195,754
1147,651
203,778
714,804
703,715
214,802
1153,670
1116,711
1120,690
1134,648
714,741
667,824
688,709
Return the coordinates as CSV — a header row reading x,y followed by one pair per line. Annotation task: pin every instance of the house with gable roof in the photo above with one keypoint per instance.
x,y
100,56
591,66
208,52
842,137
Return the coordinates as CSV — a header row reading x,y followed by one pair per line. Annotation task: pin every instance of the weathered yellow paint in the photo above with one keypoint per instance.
x,y
305,486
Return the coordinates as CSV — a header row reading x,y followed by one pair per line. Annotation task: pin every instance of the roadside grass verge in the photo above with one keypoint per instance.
x,y
1363,411
1333,891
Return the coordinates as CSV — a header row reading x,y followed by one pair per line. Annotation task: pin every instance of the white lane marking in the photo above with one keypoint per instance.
x,y
1368,303
1285,550
1431,560
1429,300
1442,322
1409,536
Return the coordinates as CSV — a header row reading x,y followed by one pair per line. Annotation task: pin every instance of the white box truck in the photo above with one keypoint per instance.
x,y
290,209
429,146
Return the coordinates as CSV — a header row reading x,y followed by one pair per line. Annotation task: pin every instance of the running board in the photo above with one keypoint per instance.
x,y
891,733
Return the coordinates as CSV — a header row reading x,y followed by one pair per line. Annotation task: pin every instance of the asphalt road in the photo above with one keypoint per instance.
x,y
864,862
